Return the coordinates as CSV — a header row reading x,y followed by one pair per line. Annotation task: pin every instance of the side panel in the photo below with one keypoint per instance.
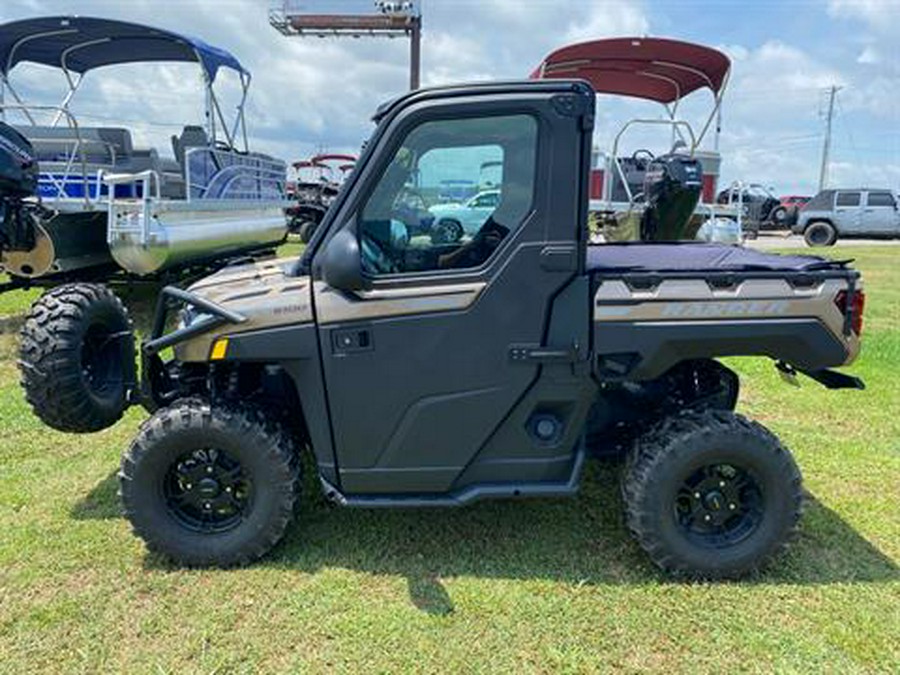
x,y
880,219
296,349
641,333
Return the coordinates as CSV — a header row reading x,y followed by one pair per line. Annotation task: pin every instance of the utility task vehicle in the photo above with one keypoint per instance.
x,y
82,204
849,213
760,208
315,184
421,373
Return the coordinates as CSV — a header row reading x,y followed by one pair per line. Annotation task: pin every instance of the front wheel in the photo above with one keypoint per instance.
x,y
711,495
210,485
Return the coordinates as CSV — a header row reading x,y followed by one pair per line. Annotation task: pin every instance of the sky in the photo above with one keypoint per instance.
x,y
316,94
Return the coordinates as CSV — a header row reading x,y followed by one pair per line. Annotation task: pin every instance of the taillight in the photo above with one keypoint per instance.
x,y
855,310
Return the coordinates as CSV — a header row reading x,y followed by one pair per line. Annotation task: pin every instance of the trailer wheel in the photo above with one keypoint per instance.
x,y
210,485
820,233
77,358
711,495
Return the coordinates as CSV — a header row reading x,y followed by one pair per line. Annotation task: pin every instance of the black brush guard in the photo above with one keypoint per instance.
x,y
157,386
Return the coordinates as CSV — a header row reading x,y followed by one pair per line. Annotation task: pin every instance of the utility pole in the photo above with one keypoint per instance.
x,y
826,148
415,51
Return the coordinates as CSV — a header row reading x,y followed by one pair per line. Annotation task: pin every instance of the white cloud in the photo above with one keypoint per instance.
x,y
605,19
879,14
869,56
312,93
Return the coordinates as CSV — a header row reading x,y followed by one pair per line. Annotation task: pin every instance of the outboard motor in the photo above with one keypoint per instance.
x,y
672,187
18,180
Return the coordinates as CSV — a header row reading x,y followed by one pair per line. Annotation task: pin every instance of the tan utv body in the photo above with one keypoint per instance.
x,y
423,372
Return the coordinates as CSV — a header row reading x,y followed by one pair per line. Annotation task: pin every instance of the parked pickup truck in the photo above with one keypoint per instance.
x,y
832,214
426,374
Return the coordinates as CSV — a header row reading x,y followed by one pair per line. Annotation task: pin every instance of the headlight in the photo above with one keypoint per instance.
x,y
188,316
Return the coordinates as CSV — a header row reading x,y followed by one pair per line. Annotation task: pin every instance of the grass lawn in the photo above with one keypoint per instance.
x,y
543,586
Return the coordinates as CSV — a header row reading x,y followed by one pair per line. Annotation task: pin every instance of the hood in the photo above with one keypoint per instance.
x,y
445,208
262,292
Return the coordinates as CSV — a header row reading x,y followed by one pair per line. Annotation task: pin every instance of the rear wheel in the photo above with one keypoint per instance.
x,y
210,485
779,216
711,495
820,233
77,358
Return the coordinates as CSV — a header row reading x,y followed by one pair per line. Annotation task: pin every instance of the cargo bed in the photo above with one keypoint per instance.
x,y
658,304
698,257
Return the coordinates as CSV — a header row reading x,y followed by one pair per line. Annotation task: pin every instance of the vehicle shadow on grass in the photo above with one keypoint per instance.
x,y
578,541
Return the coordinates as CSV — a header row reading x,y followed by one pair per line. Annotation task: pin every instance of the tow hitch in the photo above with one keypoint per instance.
x,y
830,379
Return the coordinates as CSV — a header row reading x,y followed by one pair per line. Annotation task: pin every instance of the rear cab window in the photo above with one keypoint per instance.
x,y
847,199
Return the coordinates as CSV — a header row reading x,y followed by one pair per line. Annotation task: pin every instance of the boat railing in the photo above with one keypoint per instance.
x,y
221,173
123,219
67,184
674,124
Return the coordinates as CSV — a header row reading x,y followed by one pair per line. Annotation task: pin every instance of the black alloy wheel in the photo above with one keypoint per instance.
x,y
208,490
101,360
719,505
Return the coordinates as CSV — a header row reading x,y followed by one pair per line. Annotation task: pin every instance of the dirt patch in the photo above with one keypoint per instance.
x,y
11,325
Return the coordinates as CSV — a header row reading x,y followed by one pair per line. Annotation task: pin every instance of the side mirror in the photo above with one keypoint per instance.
x,y
341,264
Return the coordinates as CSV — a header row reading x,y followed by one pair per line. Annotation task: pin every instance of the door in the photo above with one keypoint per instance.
x,y
880,217
418,366
848,212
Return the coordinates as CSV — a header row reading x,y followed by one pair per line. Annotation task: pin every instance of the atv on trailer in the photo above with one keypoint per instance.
x,y
423,373
83,209
315,185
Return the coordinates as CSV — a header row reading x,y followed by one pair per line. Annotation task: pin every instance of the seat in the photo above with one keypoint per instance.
x,y
191,137
107,146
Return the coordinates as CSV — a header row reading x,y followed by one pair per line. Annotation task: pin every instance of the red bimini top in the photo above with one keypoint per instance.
x,y
656,69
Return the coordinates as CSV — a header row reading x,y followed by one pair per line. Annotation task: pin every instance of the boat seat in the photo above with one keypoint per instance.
x,y
100,145
191,137
171,182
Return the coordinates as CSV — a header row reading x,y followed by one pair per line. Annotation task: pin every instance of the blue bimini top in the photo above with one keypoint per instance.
x,y
80,44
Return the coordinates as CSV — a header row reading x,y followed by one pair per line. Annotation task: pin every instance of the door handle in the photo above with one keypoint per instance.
x,y
350,340
526,353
